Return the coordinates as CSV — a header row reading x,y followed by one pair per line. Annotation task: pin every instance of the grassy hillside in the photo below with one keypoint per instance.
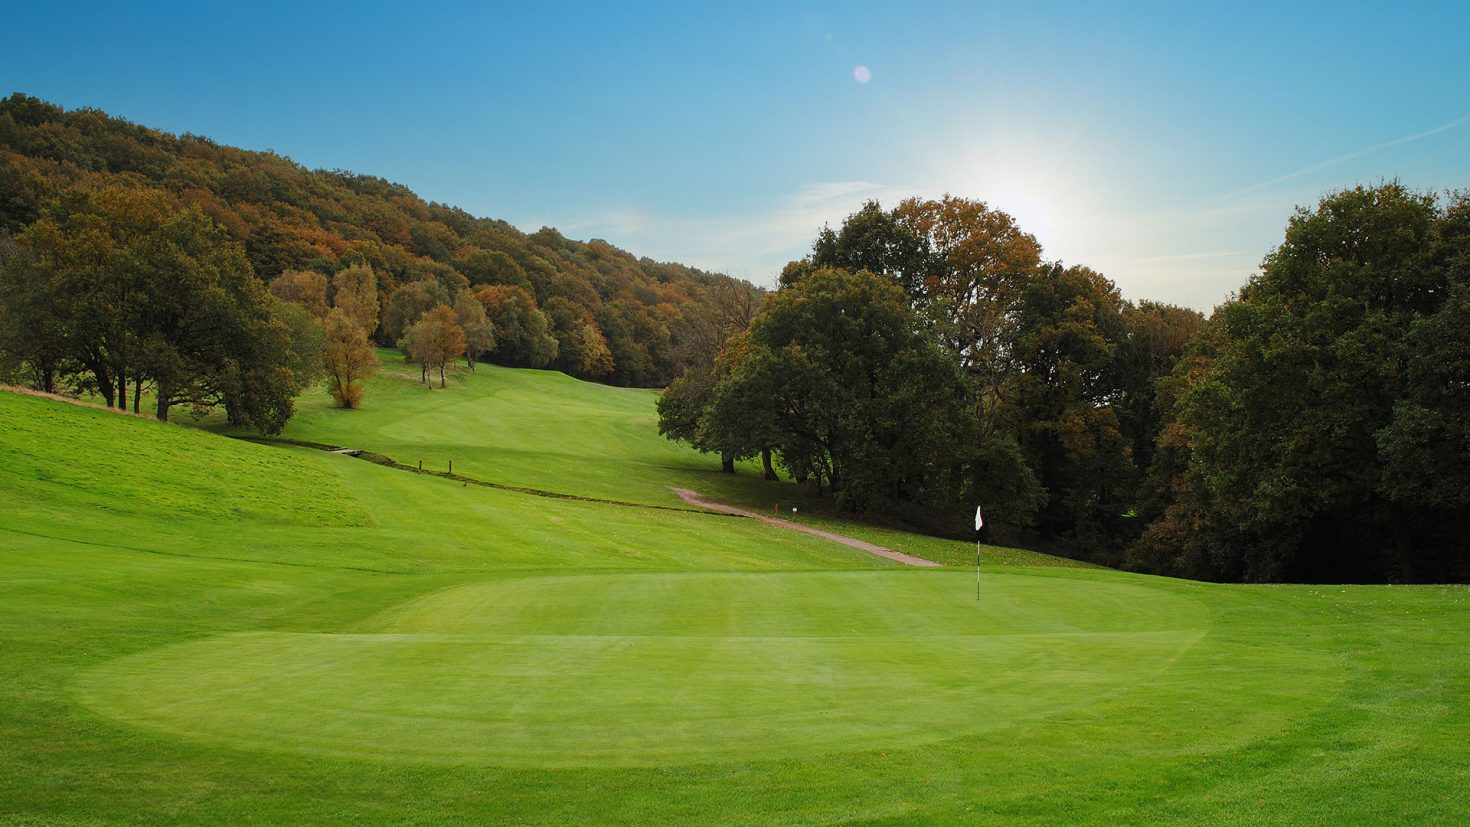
x,y
199,629
544,430
540,429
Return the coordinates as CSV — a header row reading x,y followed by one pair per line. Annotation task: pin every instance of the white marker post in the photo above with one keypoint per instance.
x,y
979,521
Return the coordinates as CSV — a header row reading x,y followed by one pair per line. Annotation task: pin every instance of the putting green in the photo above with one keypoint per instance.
x,y
656,669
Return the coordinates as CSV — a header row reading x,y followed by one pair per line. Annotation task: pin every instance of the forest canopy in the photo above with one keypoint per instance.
x,y
1315,427
1318,427
587,308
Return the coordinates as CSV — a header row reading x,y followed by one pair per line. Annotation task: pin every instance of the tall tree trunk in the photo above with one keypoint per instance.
x,y
770,472
104,386
137,391
727,462
441,374
94,362
163,407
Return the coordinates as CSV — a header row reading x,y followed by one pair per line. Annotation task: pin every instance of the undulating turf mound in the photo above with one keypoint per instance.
x,y
649,669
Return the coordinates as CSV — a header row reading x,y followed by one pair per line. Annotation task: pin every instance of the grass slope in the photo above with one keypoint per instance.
x,y
197,629
544,430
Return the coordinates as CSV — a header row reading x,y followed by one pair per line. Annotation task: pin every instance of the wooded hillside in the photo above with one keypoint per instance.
x,y
290,218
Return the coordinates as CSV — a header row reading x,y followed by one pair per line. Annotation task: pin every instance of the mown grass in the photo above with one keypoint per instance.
x,y
204,630
544,430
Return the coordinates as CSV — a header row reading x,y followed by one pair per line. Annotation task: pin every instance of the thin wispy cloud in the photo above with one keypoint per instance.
x,y
754,243
1308,170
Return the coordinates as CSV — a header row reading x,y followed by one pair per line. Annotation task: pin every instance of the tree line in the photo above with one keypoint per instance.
x,y
1318,426
928,357
588,309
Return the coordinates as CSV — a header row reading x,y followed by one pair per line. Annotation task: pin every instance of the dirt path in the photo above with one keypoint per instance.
x,y
897,556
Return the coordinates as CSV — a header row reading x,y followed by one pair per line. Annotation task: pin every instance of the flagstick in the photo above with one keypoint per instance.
x,y
979,523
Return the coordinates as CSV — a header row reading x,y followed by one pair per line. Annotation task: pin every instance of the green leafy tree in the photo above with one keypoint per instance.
x,y
417,346
206,332
78,280
305,354
566,317
1425,447
34,336
143,290
1043,346
522,332
682,409
409,303
1067,325
735,421
883,242
1322,432
1155,337
860,398
998,476
715,416
582,349
709,339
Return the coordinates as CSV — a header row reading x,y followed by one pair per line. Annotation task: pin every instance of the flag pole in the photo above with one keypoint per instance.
x,y
979,522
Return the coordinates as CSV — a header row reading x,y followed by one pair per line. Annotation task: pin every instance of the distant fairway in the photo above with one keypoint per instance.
x,y
544,430
538,429
204,630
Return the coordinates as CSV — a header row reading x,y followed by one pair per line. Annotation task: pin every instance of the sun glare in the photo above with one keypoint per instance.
x,y
1029,206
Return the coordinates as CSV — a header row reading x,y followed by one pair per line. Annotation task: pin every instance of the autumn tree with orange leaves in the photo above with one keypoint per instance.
x,y
434,340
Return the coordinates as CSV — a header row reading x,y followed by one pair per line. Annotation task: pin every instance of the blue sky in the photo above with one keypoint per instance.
x,y
1164,144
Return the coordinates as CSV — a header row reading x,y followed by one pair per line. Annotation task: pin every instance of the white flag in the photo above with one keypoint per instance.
x,y
979,520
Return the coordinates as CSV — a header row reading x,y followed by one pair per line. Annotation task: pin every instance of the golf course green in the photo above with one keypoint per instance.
x,y
196,628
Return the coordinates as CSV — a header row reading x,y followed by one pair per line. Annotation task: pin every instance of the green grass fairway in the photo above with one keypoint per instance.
x,y
196,629
538,429
543,430
650,669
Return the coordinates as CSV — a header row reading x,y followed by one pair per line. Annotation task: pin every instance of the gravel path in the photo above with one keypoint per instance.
x,y
897,556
